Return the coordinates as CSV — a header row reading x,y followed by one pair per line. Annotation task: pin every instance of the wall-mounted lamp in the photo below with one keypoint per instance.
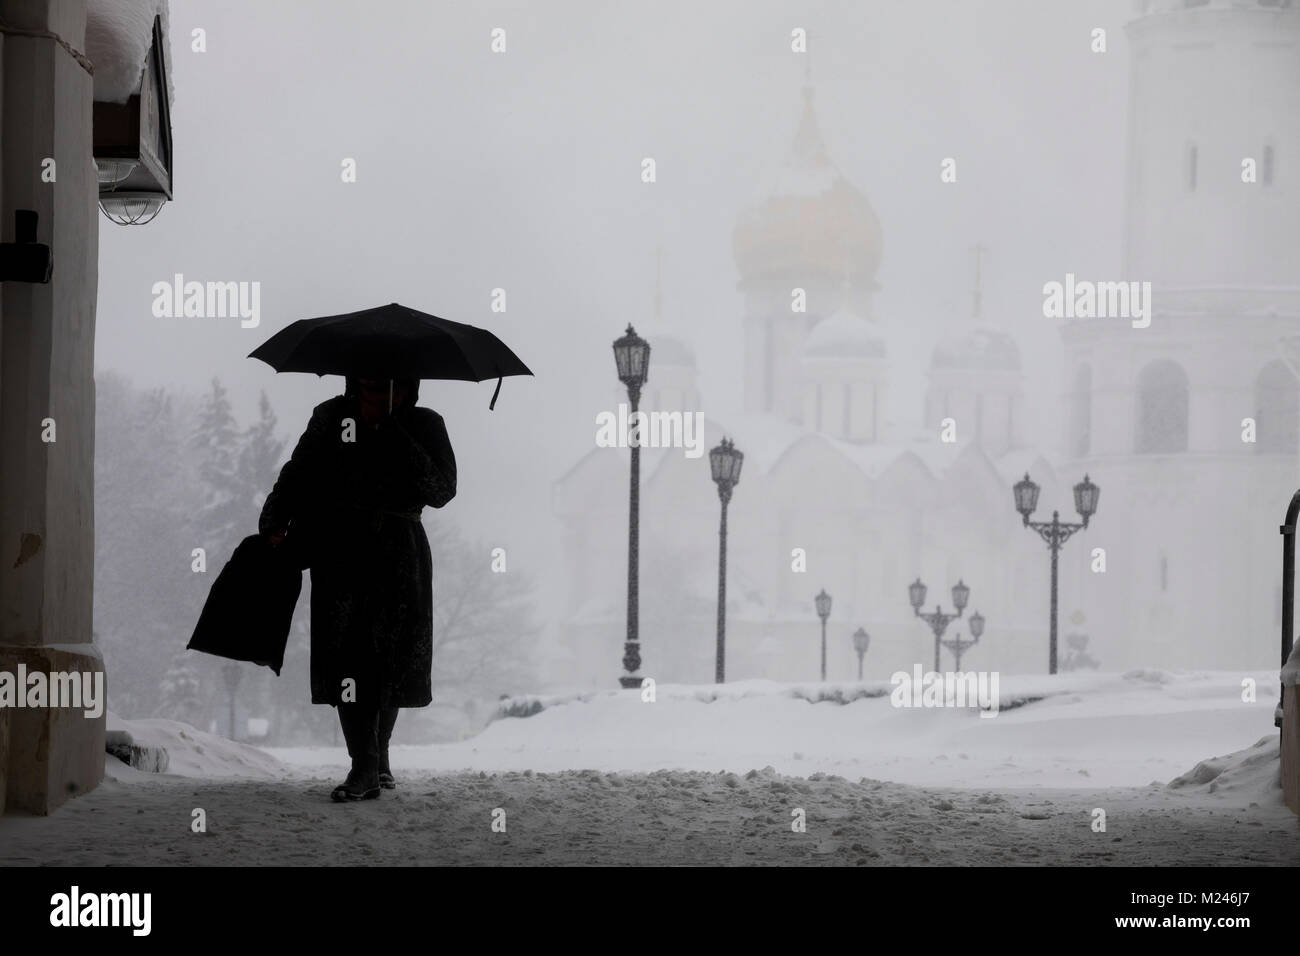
x,y
25,259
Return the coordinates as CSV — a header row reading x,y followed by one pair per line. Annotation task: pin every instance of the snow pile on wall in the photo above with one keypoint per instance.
x,y
1255,771
118,36
190,752
1291,670
145,757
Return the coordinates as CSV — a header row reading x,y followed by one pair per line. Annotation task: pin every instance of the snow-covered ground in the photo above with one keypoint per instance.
x,y
1185,771
1084,730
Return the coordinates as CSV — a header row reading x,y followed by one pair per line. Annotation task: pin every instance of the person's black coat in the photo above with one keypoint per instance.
x,y
352,512
250,608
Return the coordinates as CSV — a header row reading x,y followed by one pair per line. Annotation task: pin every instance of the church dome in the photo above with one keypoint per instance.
x,y
984,349
813,220
843,334
670,350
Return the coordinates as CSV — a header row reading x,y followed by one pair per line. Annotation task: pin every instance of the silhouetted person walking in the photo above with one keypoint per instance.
x,y
348,503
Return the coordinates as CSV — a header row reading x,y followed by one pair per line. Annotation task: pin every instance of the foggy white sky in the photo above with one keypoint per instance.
x,y
522,170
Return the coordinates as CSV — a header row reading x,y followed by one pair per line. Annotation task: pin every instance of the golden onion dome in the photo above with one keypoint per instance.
x,y
813,220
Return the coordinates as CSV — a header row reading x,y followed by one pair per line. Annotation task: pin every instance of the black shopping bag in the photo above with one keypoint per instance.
x,y
249,609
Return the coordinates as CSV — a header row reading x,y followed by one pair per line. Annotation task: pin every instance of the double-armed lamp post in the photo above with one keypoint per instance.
x,y
959,646
632,356
1055,532
724,462
823,604
938,621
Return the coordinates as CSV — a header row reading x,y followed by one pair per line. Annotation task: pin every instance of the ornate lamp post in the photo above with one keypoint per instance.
x,y
823,604
724,462
632,356
937,620
1055,532
861,641
958,646
231,673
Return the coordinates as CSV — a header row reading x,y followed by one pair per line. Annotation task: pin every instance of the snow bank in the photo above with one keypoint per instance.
x,y
118,36
1076,730
189,752
1015,690
1255,772
526,705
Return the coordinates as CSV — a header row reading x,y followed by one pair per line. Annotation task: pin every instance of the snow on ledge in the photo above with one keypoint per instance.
x,y
1291,669
118,36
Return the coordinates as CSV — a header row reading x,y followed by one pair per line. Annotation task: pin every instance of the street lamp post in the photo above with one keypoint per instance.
x,y
632,356
823,604
724,462
231,673
861,641
1055,533
937,620
958,646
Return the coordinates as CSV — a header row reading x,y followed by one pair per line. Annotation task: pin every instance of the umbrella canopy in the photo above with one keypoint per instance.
x,y
390,341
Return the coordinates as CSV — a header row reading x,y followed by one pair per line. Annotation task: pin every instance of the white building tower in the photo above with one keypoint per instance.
x,y
1162,416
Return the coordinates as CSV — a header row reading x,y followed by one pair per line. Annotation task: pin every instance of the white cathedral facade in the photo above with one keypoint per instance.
x,y
842,490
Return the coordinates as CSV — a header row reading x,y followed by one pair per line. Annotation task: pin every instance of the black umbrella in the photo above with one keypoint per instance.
x,y
391,341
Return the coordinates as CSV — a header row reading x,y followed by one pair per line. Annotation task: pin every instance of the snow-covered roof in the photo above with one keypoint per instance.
x,y
843,334
118,36
1018,462
981,348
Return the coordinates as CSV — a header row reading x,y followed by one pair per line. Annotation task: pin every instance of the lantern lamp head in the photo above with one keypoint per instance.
x,y
916,594
823,604
1085,499
1026,494
632,356
960,595
861,641
976,625
725,462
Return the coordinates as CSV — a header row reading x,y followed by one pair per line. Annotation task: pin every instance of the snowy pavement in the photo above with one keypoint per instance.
x,y
721,775
668,817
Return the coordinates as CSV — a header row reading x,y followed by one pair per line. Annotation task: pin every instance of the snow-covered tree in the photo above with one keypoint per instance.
x,y
180,691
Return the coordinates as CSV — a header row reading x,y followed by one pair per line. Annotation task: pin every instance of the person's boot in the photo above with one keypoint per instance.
x,y
387,719
360,732
361,784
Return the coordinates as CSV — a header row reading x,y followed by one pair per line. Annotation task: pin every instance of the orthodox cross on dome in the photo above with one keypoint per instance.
x,y
978,305
809,147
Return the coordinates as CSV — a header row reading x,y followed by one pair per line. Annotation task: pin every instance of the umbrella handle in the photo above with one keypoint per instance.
x,y
390,396
497,391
